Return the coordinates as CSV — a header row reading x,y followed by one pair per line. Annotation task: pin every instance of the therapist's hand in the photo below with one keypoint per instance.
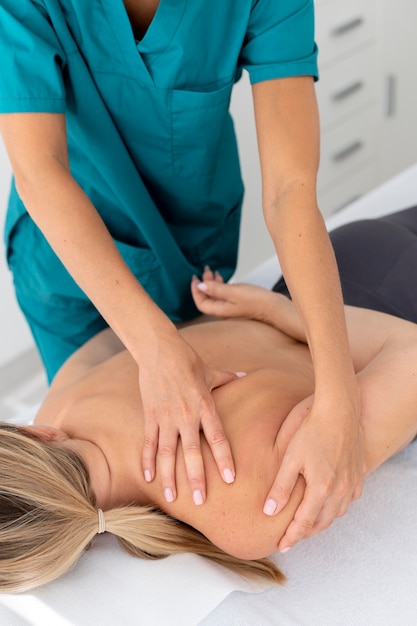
x,y
176,387
325,445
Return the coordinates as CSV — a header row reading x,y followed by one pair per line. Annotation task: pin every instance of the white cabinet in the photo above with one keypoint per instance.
x,y
366,93
398,139
347,34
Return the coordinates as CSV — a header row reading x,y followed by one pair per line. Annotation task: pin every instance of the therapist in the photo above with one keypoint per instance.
x,y
116,120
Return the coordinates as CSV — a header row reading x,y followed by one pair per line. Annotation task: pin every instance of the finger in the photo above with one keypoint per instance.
x,y
282,488
332,509
349,498
218,277
306,516
215,288
344,505
167,454
220,447
204,301
198,291
150,447
194,465
221,377
357,492
208,274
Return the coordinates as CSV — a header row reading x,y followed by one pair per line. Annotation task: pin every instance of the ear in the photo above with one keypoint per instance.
x,y
47,434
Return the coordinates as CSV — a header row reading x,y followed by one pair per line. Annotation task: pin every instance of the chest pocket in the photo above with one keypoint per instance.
x,y
198,121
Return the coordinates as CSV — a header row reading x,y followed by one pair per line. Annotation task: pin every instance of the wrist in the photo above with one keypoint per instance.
x,y
143,327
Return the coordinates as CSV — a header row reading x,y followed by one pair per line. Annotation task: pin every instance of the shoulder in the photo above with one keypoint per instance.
x,y
232,517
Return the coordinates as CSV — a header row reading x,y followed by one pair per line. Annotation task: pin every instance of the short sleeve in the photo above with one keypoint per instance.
x,y
280,40
32,60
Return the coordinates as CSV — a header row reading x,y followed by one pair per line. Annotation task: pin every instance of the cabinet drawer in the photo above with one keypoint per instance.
x,y
348,190
347,87
346,147
342,26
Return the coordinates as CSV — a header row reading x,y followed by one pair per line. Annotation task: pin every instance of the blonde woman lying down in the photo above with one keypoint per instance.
x,y
77,470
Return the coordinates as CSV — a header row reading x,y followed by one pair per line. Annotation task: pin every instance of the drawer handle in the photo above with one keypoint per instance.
x,y
347,91
390,95
348,151
347,27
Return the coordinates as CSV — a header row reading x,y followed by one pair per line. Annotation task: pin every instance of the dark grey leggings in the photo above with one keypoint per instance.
x,y
377,260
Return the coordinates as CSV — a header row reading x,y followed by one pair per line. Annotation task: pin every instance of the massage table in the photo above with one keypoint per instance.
x,y
362,571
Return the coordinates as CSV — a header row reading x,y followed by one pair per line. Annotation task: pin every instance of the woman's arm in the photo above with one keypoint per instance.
x,y
215,298
175,383
327,448
368,330
389,397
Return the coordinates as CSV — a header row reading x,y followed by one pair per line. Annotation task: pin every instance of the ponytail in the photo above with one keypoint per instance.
x,y
48,518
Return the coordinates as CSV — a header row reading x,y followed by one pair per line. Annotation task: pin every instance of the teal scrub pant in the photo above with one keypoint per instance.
x,y
61,318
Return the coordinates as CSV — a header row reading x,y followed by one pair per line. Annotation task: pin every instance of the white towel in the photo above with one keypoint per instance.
x,y
362,571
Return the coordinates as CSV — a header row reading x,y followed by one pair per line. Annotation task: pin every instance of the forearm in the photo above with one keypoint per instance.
x,y
310,270
81,240
37,148
288,136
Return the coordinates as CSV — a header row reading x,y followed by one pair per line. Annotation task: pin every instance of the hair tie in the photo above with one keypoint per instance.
x,y
101,522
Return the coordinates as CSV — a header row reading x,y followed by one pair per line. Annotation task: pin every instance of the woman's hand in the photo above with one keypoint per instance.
x,y
214,297
176,387
328,453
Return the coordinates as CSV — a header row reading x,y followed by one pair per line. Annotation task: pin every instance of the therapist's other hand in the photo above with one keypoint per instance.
x,y
324,444
176,387
214,297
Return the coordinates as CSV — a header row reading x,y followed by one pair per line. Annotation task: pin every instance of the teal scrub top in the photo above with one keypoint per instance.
x,y
151,140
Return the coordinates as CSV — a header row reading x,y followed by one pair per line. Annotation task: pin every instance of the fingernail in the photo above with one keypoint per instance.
x,y
207,268
241,374
284,550
198,497
229,477
202,286
270,507
169,494
148,476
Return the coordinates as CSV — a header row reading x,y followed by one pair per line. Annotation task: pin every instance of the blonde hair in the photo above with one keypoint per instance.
x,y
48,518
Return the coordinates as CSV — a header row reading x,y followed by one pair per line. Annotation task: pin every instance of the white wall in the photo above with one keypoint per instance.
x,y
15,337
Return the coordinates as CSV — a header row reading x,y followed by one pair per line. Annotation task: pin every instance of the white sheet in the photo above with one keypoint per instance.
x,y
111,588
361,571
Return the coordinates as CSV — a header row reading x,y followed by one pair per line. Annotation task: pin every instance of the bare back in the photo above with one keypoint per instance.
x,y
104,405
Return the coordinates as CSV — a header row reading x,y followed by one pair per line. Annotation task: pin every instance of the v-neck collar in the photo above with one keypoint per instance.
x,y
159,34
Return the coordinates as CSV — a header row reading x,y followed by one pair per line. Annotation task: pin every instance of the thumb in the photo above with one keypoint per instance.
x,y
222,377
217,290
281,490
